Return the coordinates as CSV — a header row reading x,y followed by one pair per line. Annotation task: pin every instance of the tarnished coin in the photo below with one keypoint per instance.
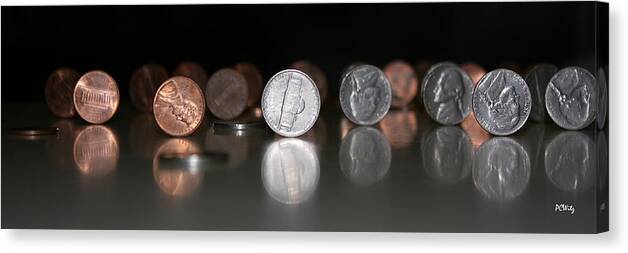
x,y
96,97
314,72
193,71
365,95
59,91
537,79
253,80
571,98
143,85
290,103
403,82
602,108
447,154
179,106
501,169
447,93
226,94
570,161
501,102
475,71
365,156
96,150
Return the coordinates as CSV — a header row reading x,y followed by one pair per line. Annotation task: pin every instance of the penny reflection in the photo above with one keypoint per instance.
x,y
447,154
290,170
233,145
178,179
570,160
60,149
144,135
501,169
400,127
476,133
96,151
365,156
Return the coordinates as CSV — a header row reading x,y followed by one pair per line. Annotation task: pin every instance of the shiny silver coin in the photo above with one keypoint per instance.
x,y
290,170
365,95
290,103
433,69
446,92
447,154
365,156
570,161
571,98
501,102
603,98
501,169
537,79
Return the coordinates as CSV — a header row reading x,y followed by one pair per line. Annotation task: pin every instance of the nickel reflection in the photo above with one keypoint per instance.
x,y
570,160
96,151
447,154
501,169
290,170
400,127
365,156
177,179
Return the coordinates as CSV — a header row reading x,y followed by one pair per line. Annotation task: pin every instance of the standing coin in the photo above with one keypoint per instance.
x,y
254,81
403,82
603,100
96,97
226,94
59,89
144,84
290,103
501,102
365,95
447,91
432,69
537,79
571,98
193,71
179,106
315,73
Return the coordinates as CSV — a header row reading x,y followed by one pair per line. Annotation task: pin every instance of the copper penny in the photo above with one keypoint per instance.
x,y
96,97
179,106
193,71
254,81
314,72
144,83
400,128
226,94
403,82
96,151
59,89
475,71
177,182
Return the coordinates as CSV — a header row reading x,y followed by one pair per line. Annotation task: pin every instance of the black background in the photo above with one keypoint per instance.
x,y
118,39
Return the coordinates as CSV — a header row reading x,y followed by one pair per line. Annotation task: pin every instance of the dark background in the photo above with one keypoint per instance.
x,y
118,39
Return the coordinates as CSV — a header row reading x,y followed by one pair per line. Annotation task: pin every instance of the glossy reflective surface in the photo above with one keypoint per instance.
x,y
405,174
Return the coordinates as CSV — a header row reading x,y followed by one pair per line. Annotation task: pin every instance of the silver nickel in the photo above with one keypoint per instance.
x,y
501,102
290,103
433,69
571,98
570,161
537,79
365,95
603,101
365,156
446,93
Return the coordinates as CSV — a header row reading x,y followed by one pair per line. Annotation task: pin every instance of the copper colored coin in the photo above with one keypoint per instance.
x,y
96,97
59,89
181,180
316,73
403,82
144,83
179,106
96,151
193,71
254,81
226,94
475,71
399,127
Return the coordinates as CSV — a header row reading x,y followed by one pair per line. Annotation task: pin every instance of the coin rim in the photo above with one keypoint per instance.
x,y
117,102
551,113
200,122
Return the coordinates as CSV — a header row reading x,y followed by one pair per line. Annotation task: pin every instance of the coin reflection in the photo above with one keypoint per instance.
x,y
233,145
290,170
570,161
345,126
365,156
400,127
501,169
183,179
96,151
476,133
447,154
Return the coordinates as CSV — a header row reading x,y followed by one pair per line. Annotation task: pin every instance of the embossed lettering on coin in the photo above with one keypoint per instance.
x,y
96,97
96,150
179,106
226,94
144,83
365,156
447,93
537,79
365,95
253,80
501,169
403,82
59,91
290,103
571,98
501,102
